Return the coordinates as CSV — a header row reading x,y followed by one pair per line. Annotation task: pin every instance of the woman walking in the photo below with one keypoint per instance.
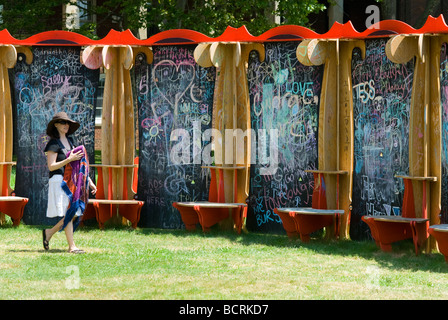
x,y
61,153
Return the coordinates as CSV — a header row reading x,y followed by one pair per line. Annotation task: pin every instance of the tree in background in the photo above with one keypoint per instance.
x,y
210,17
28,17
213,17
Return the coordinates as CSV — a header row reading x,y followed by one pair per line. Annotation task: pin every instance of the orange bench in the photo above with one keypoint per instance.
x,y
13,206
440,232
304,221
208,213
386,230
104,209
10,205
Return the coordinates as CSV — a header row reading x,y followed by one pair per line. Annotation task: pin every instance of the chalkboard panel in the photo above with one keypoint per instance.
x,y
55,81
284,96
444,106
173,93
381,106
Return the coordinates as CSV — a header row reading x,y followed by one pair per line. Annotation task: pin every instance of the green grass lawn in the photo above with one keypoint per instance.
x,y
175,264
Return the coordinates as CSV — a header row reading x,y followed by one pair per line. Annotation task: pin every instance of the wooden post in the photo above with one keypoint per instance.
x,y
118,125
8,58
400,49
346,123
231,110
435,153
335,119
106,122
317,52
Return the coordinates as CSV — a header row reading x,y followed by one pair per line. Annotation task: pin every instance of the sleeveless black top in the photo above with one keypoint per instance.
x,y
56,146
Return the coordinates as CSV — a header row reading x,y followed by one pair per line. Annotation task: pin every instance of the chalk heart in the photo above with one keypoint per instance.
x,y
173,80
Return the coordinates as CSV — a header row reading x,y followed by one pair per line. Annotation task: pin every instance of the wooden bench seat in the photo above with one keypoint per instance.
x,y
104,208
386,230
440,232
13,207
107,201
208,213
440,227
12,198
304,221
389,229
10,205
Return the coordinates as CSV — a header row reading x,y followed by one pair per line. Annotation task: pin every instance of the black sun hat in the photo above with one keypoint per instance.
x,y
62,116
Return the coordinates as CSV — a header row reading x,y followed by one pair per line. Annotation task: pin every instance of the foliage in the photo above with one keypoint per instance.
x,y
212,17
209,17
23,18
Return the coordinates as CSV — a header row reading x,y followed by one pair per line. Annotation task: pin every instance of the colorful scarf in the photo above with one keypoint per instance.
x,y
76,186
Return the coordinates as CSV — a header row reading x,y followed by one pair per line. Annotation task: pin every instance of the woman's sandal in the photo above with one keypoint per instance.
x,y
45,241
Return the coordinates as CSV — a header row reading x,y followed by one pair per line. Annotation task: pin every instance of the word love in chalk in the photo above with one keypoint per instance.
x,y
180,153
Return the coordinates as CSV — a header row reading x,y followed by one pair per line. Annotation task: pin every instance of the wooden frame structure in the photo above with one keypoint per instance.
x,y
228,52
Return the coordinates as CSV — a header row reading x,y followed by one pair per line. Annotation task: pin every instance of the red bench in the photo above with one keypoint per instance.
x,y
440,232
104,209
304,221
386,230
13,206
209,213
10,205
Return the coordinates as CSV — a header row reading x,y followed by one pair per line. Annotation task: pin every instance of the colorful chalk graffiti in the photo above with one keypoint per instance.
x,y
172,93
381,98
55,81
284,95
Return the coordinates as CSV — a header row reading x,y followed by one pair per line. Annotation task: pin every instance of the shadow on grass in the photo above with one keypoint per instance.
x,y
37,250
402,256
